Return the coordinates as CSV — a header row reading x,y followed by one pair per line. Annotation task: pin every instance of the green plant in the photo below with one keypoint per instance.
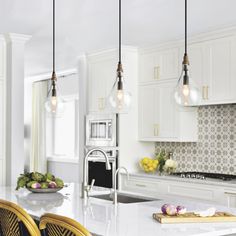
x,y
161,157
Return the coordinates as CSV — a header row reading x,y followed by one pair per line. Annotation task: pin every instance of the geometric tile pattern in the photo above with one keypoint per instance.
x,y
215,151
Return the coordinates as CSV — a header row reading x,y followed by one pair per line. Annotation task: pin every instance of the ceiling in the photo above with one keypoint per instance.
x,y
89,25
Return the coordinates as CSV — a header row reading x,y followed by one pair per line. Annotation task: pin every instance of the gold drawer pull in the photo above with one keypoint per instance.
x,y
141,185
229,193
157,72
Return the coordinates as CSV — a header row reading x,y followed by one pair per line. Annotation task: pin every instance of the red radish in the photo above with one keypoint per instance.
x,y
52,185
163,208
181,210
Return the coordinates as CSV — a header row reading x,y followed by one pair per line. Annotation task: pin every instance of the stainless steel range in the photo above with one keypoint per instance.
x,y
203,175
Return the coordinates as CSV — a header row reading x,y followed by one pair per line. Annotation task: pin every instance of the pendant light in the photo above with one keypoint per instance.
x,y
119,99
186,93
54,104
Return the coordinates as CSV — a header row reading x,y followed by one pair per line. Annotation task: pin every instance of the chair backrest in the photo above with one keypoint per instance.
x,y
55,225
11,218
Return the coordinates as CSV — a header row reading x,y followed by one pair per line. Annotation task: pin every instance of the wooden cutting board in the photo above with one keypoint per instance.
x,y
190,217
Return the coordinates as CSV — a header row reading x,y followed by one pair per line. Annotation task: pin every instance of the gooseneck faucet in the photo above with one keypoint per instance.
x,y
85,187
115,190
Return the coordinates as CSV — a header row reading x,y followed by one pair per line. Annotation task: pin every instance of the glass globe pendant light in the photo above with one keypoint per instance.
x,y
186,92
54,104
119,99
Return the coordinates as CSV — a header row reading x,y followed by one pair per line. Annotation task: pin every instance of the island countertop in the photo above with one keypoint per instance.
x,y
101,217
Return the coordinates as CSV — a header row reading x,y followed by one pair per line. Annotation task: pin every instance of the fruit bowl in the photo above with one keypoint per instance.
x,y
44,190
148,165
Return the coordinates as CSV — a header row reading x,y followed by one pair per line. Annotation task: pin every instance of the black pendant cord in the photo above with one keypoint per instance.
x,y
53,36
119,31
186,25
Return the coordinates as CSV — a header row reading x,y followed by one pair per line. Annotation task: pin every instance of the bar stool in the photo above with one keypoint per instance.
x,y
13,218
55,225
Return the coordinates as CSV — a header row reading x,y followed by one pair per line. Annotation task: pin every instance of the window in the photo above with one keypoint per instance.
x,y
62,132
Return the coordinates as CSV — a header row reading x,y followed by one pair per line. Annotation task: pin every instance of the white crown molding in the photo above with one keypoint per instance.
x,y
47,76
124,48
13,37
196,38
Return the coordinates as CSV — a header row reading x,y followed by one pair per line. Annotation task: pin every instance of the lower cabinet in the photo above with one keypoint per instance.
x,y
203,192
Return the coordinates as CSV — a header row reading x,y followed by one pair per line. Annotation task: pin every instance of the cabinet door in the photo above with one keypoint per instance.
x,y
102,75
169,64
149,65
218,75
197,66
148,122
167,111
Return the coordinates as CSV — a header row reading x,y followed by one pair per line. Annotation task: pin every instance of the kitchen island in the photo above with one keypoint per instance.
x,y
101,217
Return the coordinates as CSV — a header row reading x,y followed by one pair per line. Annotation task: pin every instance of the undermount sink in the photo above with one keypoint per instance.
x,y
124,198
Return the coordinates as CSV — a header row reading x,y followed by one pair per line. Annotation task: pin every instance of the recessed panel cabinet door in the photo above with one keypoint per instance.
x,y
147,111
149,65
219,79
197,67
168,112
102,75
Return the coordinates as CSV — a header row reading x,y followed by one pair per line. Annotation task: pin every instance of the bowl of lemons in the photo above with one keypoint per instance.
x,y
148,164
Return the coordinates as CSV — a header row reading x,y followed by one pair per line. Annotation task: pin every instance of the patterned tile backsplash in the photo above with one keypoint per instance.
x,y
215,150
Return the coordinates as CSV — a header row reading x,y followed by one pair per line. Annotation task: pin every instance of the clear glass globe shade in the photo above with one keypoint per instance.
x,y
55,105
186,94
119,100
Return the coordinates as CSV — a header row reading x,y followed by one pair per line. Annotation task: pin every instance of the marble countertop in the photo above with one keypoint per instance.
x,y
101,217
207,181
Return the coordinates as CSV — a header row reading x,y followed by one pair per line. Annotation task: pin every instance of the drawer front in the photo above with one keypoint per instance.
x,y
194,192
142,186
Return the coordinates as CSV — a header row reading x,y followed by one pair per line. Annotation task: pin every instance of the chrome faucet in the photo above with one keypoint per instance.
x,y
115,190
85,187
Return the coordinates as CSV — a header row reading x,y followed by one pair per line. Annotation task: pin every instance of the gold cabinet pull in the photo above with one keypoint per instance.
x,y
207,95
230,193
141,185
156,129
101,104
203,92
157,72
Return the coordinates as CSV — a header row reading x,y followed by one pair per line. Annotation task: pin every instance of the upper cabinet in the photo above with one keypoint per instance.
x,y
162,64
160,119
101,76
212,67
219,81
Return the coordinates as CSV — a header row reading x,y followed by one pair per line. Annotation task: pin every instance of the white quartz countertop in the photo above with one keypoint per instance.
x,y
101,217
207,181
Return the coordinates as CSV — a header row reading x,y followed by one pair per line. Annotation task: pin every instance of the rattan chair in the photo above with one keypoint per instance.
x,y
56,225
13,219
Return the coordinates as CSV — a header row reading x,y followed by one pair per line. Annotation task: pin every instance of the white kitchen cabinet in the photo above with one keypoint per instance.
x,y
158,65
220,73
160,119
102,68
155,186
101,76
